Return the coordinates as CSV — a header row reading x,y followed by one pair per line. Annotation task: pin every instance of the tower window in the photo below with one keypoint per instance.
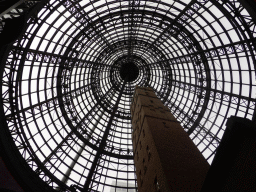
x,y
145,169
141,180
156,185
165,125
149,153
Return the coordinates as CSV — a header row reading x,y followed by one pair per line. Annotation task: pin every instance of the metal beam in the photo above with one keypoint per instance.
x,y
71,167
73,130
174,21
15,5
103,141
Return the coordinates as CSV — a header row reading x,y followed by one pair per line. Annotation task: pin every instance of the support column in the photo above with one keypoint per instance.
x,y
165,157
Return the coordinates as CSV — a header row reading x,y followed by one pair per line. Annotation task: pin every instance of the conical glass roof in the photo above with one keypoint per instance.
x,y
63,77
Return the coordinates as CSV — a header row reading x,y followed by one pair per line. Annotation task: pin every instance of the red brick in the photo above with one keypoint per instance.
x,y
148,92
175,161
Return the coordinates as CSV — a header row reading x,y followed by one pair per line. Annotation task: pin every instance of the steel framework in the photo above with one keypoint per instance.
x,y
66,102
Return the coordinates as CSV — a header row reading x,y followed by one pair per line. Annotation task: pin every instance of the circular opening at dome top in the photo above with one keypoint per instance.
x,y
130,71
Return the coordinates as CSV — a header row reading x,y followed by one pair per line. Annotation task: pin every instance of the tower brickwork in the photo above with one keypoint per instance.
x,y
165,157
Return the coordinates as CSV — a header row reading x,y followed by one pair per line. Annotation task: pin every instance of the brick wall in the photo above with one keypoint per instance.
x,y
165,157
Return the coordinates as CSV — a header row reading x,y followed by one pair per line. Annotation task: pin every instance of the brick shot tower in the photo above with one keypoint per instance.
x,y
165,157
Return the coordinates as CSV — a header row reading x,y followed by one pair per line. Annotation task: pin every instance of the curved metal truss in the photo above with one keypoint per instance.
x,y
67,104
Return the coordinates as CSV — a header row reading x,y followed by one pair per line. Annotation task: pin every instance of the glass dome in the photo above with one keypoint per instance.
x,y
66,98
